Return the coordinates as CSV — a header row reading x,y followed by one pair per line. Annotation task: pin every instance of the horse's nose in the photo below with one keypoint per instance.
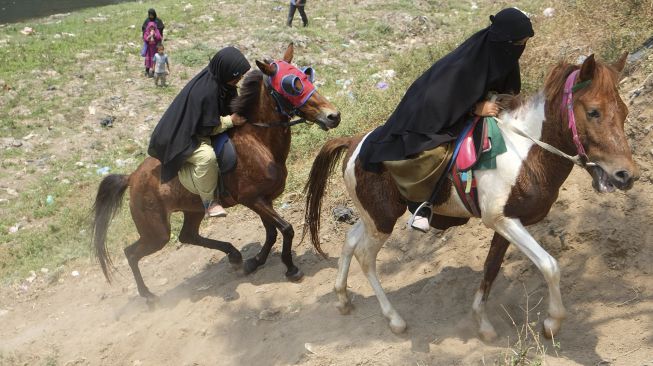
x,y
624,178
334,118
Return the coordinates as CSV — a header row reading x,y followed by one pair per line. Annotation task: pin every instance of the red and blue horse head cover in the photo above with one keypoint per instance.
x,y
284,82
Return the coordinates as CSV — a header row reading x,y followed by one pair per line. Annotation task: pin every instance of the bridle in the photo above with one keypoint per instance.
x,y
581,159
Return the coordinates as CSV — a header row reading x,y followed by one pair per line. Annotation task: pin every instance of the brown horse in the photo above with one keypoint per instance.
x,y
262,146
519,192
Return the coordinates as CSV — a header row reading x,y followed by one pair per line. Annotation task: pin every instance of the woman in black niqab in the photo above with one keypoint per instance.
x,y
445,95
196,111
151,17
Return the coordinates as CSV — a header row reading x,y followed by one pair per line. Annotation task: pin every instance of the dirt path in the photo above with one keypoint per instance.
x,y
211,314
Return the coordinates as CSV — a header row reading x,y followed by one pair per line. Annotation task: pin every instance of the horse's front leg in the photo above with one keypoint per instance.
x,y
269,215
516,233
259,259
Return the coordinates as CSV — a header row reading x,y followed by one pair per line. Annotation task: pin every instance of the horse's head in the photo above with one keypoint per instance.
x,y
295,93
600,115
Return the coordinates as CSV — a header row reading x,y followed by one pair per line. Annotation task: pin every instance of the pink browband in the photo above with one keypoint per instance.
x,y
568,103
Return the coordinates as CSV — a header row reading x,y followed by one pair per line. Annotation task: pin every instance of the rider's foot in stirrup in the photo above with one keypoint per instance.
x,y
215,210
421,223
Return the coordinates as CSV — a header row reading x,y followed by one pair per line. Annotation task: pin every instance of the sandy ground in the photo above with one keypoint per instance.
x,y
211,314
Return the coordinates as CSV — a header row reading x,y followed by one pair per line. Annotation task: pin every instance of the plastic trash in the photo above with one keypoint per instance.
x,y
103,171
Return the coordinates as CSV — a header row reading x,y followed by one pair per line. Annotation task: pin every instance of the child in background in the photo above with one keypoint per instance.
x,y
161,66
152,37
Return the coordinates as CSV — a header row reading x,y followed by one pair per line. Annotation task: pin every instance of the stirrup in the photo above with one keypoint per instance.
x,y
411,221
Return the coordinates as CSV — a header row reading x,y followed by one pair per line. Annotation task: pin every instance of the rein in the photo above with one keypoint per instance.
x,y
282,105
581,159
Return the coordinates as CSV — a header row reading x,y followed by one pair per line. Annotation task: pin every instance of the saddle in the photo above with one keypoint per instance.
x,y
472,145
225,152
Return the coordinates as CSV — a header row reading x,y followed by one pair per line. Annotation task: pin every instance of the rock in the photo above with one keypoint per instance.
x,y
344,214
107,121
548,12
3,312
14,229
27,31
74,273
31,277
270,314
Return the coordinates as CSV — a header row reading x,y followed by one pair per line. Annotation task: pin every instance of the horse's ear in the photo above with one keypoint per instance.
x,y
587,70
621,62
267,69
289,53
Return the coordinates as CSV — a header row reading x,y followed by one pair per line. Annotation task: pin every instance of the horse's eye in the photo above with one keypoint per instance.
x,y
593,113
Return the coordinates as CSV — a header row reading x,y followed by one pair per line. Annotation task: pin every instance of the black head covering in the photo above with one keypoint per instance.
x,y
159,22
444,95
196,110
228,64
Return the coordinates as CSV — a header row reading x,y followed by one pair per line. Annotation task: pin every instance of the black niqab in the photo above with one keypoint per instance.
x,y
196,110
159,22
445,94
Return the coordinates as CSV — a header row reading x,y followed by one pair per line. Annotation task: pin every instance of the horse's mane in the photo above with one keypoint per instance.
x,y
250,92
604,78
555,83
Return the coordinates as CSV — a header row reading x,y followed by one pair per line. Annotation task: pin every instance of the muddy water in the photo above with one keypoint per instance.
x,y
17,10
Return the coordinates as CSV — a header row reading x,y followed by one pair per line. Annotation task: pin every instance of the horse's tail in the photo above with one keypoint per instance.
x,y
107,203
323,166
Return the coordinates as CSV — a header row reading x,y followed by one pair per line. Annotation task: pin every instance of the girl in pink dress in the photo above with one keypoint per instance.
x,y
152,38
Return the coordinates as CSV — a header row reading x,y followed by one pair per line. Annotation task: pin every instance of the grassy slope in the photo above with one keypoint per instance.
x,y
346,40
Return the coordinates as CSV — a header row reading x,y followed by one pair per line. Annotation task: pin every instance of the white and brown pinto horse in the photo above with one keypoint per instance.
x,y
519,192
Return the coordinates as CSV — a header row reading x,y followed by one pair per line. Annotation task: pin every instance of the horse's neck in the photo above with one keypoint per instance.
x,y
275,138
544,123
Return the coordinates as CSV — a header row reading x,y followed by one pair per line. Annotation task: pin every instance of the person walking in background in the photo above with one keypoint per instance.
x,y
152,38
161,66
151,17
298,5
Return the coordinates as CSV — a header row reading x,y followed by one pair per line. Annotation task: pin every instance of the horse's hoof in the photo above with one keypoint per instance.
x,y
551,327
345,309
295,275
151,301
397,326
487,334
235,259
250,265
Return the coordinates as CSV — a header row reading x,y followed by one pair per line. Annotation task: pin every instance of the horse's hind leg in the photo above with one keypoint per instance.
x,y
354,235
491,268
366,251
190,235
154,233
